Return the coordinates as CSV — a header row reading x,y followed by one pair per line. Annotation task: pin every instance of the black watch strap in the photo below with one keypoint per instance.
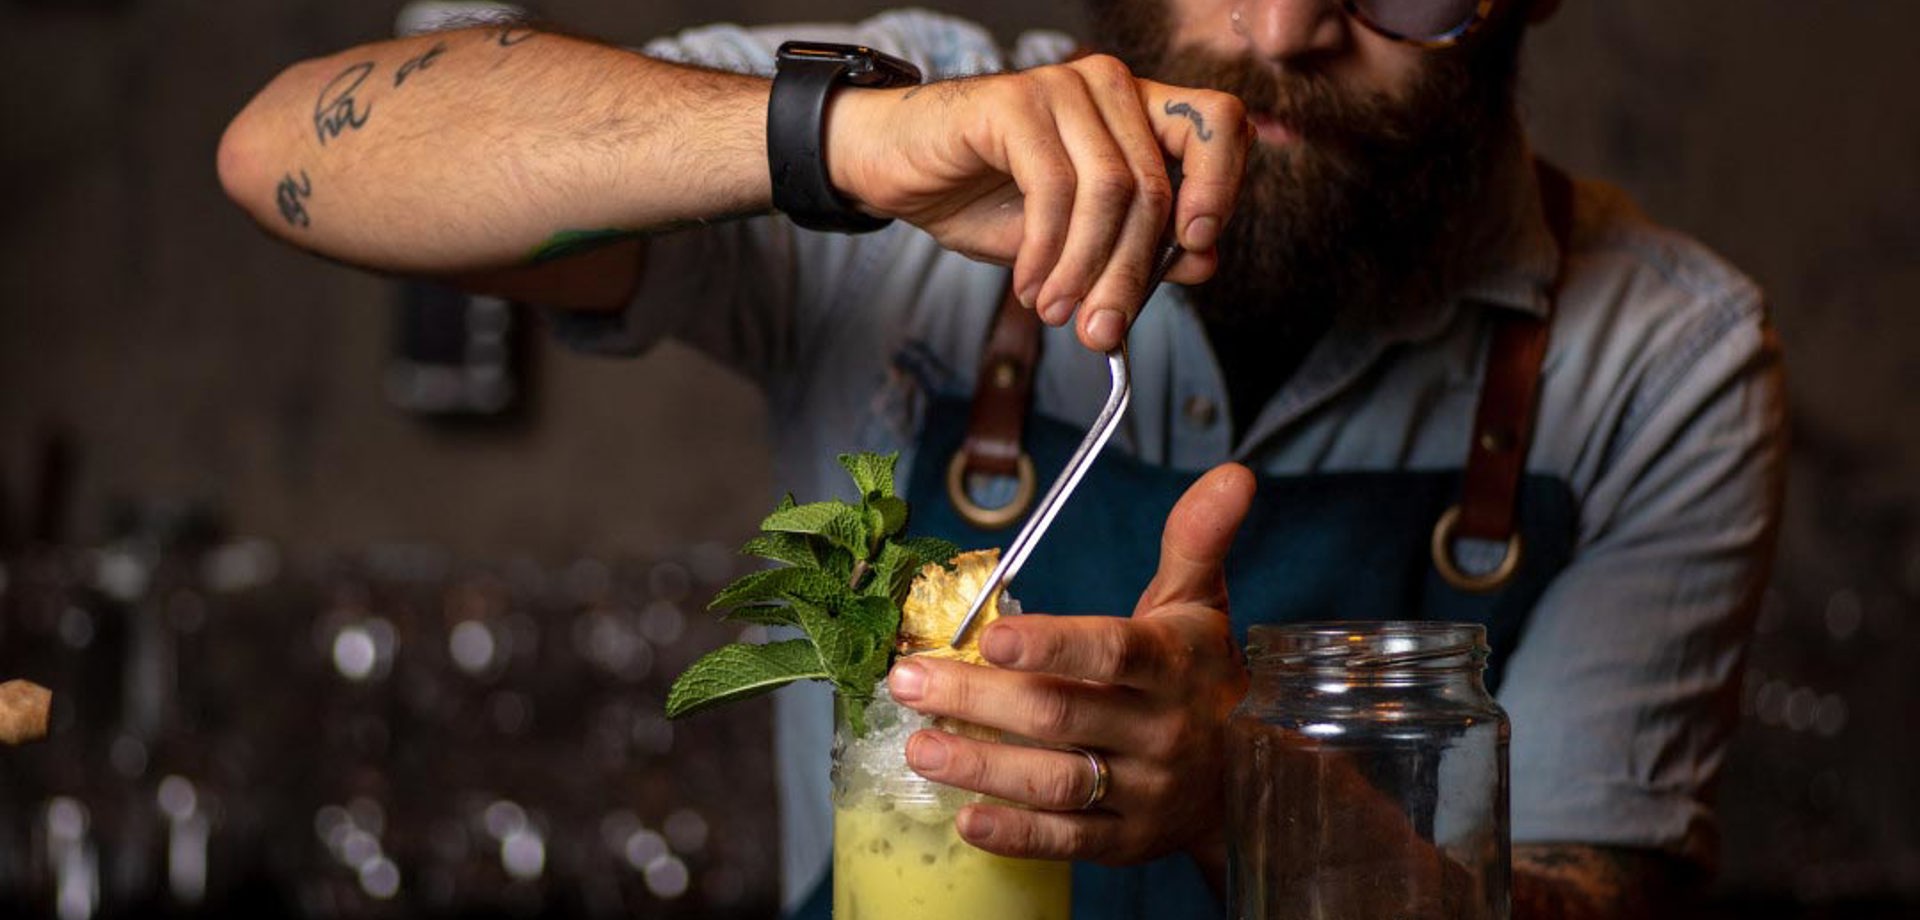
x,y
796,114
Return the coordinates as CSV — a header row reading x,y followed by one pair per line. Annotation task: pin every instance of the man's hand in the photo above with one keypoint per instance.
x,y
1151,694
1059,171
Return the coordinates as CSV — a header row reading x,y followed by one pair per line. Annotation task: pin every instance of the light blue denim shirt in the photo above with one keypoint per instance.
x,y
1661,407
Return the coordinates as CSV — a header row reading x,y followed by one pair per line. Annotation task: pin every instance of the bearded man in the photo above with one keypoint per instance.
x,y
1433,378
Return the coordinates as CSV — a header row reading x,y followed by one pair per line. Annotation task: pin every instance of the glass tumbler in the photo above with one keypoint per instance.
x,y
1368,776
896,853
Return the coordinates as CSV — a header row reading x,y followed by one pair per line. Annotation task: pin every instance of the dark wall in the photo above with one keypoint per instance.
x,y
185,357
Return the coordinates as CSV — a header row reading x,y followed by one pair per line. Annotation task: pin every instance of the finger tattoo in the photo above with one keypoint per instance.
x,y
1192,114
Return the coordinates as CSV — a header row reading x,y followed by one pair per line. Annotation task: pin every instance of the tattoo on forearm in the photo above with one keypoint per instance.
x,y
1574,882
290,195
336,110
419,63
574,242
1192,114
508,36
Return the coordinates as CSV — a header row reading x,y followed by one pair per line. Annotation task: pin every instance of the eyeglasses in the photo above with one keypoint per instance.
x,y
1424,23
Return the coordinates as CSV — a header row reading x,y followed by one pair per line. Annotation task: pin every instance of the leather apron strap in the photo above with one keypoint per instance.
x,y
996,423
1504,421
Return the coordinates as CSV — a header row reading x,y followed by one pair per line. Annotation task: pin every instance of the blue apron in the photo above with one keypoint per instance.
x,y
1315,547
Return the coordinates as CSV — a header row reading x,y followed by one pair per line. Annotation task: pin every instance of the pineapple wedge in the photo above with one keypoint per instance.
x,y
938,601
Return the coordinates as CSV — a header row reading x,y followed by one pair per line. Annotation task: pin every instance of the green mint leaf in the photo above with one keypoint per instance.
x,y
810,518
856,682
893,571
872,473
838,561
849,530
775,587
848,648
751,588
930,549
737,672
790,548
847,569
893,515
874,615
754,588
839,644
764,615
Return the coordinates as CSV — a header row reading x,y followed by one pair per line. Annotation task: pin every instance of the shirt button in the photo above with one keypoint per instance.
x,y
1201,411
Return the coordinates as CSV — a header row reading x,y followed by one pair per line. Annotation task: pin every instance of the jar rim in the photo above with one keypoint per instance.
x,y
1368,645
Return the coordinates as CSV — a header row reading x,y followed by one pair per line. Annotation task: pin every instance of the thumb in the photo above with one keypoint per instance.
x,y
1193,548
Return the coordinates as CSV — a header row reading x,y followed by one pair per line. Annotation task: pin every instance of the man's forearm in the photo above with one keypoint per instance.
x,y
491,147
1576,882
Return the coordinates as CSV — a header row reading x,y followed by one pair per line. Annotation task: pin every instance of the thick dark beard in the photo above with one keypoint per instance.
x,y
1378,210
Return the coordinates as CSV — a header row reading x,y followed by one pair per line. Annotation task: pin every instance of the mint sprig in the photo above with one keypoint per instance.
x,y
844,571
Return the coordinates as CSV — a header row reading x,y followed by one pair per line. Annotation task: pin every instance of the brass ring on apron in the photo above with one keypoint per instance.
x,y
990,518
1451,571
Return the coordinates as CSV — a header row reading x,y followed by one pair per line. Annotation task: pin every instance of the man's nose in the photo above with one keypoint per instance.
x,y
1283,30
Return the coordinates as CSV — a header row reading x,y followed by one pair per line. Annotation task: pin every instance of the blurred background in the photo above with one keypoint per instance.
x,y
359,599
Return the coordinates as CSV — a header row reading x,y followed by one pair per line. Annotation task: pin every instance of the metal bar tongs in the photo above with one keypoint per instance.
x,y
1102,430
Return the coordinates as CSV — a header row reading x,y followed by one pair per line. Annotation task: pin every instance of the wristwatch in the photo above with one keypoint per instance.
x,y
796,148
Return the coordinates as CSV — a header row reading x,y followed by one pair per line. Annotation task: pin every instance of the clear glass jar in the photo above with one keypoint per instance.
x,y
896,853
1368,776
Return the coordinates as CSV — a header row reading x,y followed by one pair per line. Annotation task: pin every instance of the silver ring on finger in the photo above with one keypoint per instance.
x,y
1102,777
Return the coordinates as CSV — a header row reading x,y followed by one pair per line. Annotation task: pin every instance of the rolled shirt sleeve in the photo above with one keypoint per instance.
x,y
1623,692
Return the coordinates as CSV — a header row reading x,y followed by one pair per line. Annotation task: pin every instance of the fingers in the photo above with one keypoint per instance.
x,y
1104,190
1132,199
1032,776
1098,199
1056,782
1023,834
1209,134
1044,707
1193,547
1109,650
1045,174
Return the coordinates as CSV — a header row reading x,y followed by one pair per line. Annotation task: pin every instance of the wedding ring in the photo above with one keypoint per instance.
x,y
1102,776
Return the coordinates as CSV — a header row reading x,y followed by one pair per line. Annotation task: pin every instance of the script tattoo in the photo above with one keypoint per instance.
x,y
513,35
1199,121
336,110
422,62
289,196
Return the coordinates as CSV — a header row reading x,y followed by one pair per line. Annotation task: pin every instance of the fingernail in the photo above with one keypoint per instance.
x,y
1202,233
1030,296
926,752
1107,327
908,682
975,824
1057,312
1001,644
